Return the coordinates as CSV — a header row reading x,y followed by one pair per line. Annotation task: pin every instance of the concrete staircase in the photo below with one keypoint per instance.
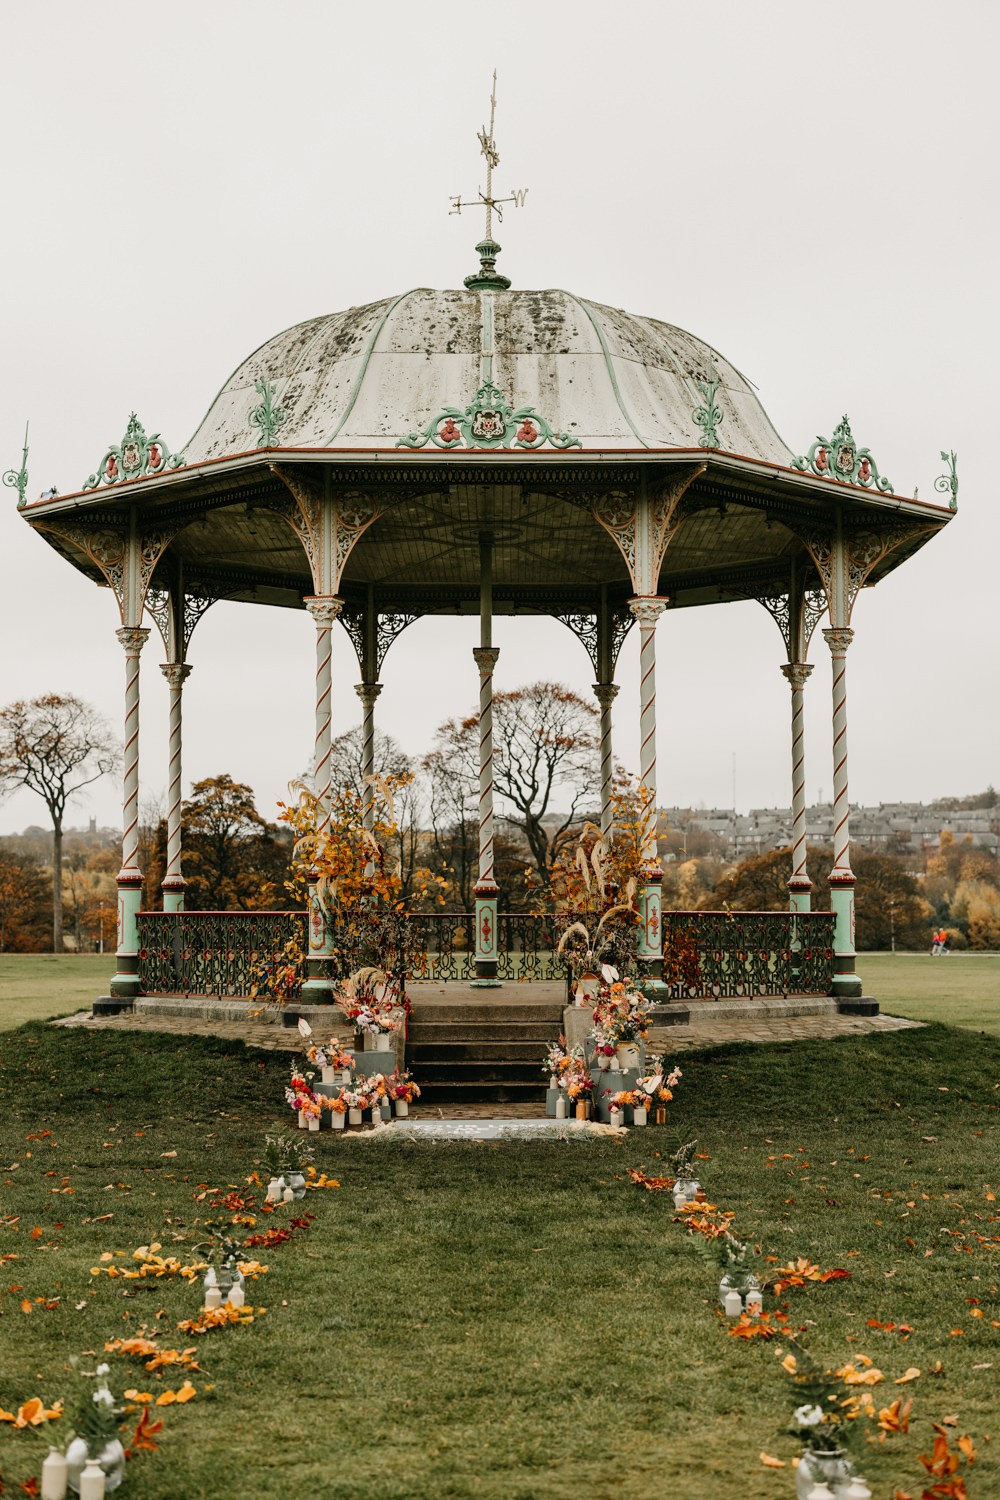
x,y
472,1045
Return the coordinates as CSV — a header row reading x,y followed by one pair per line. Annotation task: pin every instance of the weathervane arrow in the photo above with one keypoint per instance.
x,y
488,276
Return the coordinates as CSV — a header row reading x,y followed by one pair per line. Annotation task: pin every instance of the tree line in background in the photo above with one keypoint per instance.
x,y
546,746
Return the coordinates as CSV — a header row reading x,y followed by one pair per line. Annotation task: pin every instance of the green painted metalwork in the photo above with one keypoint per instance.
x,y
945,484
708,416
488,422
212,952
840,458
726,955
266,416
134,457
18,478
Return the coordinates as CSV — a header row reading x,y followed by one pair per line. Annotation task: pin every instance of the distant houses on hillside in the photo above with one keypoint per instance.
x,y
908,828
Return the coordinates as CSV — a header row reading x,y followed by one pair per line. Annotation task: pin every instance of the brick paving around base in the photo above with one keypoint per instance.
x,y
271,1035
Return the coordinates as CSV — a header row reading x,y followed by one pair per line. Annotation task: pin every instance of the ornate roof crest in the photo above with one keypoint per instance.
x,y
840,458
488,422
134,457
708,416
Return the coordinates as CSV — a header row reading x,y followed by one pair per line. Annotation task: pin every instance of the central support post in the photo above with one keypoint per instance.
x,y
846,983
797,674
487,893
176,672
649,948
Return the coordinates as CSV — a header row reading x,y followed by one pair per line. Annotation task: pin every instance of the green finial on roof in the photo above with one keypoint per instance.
x,y
488,278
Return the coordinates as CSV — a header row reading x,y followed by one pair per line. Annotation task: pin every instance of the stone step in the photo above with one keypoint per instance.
x,y
466,1049
434,1033
476,1091
486,1015
470,1070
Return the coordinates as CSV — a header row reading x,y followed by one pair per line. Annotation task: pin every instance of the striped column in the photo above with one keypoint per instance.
x,y
486,658
176,673
125,984
318,985
797,674
368,692
845,981
649,949
324,609
606,693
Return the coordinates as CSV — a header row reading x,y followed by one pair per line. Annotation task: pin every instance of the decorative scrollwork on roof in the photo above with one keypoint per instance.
x,y
488,422
708,415
840,458
267,417
945,484
18,478
135,457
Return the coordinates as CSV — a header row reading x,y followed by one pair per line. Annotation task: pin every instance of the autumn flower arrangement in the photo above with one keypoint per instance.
x,y
578,1083
557,1059
298,1092
335,1103
368,997
618,1015
331,1055
402,1086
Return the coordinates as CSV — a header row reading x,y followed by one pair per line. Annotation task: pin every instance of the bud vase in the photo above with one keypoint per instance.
x,y
831,1467
111,1461
338,1119
561,1107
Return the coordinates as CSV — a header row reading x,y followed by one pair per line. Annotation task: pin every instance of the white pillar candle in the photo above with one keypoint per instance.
x,y
734,1304
92,1481
54,1472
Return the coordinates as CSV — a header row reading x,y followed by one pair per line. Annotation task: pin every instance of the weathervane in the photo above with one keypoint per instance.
x,y
488,276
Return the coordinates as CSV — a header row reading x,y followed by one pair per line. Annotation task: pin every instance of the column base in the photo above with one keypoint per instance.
x,y
125,985
654,990
318,989
108,1005
846,986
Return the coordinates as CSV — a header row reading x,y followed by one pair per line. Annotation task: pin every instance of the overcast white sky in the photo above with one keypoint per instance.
x,y
810,188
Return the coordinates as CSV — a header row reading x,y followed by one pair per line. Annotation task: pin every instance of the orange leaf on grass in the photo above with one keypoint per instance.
x,y
772,1463
26,1306
911,1374
142,1438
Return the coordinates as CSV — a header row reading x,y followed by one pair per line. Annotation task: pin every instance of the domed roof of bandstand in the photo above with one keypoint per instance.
x,y
370,376
448,411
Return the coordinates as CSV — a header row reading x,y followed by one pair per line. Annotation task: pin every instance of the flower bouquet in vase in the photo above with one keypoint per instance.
x,y
299,1094
368,998
580,1089
620,1020
95,1415
337,1105
402,1091
825,1420
620,1101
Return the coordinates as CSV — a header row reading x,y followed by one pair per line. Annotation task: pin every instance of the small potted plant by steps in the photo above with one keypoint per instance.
x,y
285,1157
825,1421
96,1418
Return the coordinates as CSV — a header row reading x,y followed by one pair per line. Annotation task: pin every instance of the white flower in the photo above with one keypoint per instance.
x,y
104,1369
609,974
808,1416
103,1397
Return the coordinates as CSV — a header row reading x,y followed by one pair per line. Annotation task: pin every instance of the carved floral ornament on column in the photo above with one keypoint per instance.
x,y
134,457
488,421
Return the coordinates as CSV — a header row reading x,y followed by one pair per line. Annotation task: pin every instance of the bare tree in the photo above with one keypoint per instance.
x,y
54,746
545,750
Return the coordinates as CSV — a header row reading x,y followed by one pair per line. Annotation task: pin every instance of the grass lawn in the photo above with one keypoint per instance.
x,y
504,1320
35,986
961,989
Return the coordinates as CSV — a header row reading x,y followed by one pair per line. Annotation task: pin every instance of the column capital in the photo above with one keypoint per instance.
x,y
605,693
324,608
648,608
368,692
797,674
133,638
486,658
838,638
176,672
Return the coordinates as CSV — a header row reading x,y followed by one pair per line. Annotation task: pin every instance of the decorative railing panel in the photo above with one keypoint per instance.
x,y
212,952
720,955
707,954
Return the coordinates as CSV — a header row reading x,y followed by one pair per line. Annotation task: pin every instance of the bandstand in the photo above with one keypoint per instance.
x,y
490,451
